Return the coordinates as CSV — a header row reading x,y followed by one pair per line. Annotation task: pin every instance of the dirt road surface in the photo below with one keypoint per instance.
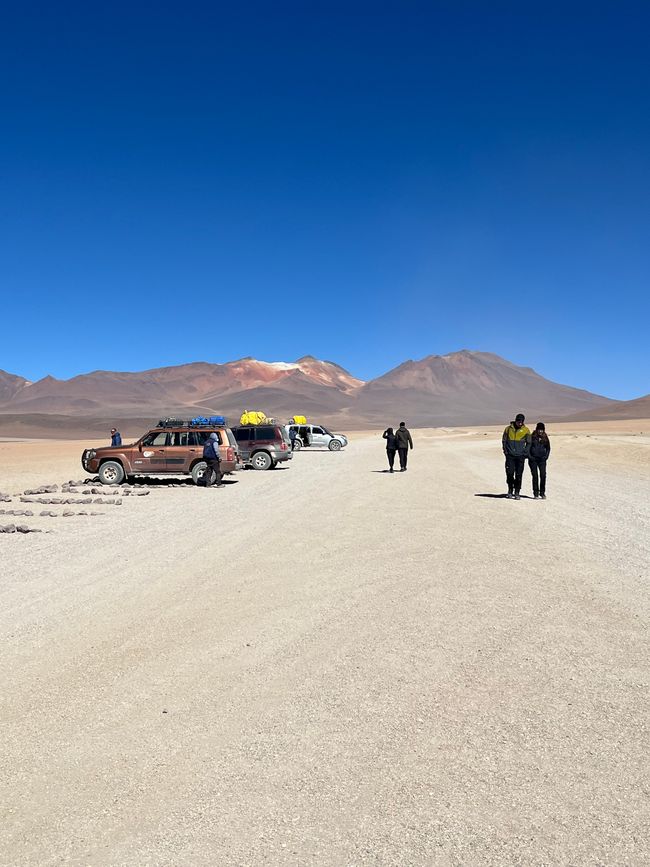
x,y
331,665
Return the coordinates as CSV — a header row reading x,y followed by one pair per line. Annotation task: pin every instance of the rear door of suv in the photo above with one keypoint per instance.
x,y
179,451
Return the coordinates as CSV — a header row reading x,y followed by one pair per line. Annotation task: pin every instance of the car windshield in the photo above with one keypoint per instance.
x,y
327,430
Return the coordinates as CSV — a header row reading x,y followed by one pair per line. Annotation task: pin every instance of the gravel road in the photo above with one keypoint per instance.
x,y
331,665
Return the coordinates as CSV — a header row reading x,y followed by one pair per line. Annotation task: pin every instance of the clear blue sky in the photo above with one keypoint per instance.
x,y
365,182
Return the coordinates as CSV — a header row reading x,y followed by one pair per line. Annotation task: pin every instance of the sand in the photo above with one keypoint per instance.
x,y
330,665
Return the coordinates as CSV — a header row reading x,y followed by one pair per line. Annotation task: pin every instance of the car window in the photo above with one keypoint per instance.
x,y
179,438
318,430
231,437
242,434
156,438
265,433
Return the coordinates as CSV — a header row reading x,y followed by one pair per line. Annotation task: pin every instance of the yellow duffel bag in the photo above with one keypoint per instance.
x,y
299,419
252,416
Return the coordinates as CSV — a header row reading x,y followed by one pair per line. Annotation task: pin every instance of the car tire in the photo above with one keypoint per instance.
x,y
334,446
297,445
111,473
261,461
197,471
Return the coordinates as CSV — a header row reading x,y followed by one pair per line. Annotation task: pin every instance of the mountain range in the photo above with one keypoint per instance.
x,y
465,387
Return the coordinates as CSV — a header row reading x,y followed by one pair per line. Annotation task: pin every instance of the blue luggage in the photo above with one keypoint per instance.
x,y
209,420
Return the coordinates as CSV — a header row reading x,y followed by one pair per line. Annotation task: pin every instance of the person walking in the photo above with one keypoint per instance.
x,y
391,447
116,438
292,437
212,460
404,442
516,445
540,449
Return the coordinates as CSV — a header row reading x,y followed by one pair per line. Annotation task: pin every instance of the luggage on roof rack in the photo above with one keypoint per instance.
x,y
202,420
251,416
298,419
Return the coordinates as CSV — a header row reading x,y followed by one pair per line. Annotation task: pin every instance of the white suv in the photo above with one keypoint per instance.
x,y
317,435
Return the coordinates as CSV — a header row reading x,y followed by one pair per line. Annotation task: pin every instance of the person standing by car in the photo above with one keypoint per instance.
x,y
404,442
116,438
540,449
391,446
292,437
516,445
212,460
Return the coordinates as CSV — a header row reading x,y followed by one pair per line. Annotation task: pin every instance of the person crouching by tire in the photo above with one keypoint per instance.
x,y
516,444
540,449
212,460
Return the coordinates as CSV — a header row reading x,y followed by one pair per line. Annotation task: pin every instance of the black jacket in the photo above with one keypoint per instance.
x,y
391,440
540,447
403,437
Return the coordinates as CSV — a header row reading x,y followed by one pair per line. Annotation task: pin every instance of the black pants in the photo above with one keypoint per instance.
x,y
514,472
538,465
212,467
390,453
403,457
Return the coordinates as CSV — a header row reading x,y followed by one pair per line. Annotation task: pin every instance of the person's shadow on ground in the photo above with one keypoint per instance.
x,y
502,496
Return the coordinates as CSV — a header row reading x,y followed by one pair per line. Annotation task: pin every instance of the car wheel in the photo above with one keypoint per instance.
x,y
334,446
297,445
197,471
261,461
111,473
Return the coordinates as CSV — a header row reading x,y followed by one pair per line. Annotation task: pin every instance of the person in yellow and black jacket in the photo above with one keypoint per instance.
x,y
516,447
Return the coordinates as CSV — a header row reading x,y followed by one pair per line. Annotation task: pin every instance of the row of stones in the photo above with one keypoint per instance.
x,y
18,528
44,514
57,501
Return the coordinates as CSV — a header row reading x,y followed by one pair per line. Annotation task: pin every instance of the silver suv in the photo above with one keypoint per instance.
x,y
317,435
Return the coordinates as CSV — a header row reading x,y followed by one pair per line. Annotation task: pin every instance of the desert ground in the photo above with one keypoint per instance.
x,y
331,665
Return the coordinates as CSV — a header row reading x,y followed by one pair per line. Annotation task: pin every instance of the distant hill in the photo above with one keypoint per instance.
x,y
469,388
463,387
623,409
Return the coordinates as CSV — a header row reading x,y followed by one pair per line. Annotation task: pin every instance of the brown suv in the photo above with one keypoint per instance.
x,y
173,450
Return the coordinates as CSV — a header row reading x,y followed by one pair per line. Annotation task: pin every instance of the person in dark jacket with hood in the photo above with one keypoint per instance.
x,y
540,449
404,442
516,444
212,460
391,446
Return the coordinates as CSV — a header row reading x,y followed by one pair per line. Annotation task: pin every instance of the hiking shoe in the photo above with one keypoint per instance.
x,y
536,496
510,495
391,470
542,496
517,497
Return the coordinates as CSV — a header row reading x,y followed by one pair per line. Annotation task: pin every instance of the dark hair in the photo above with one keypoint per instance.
x,y
389,430
520,417
540,426
402,424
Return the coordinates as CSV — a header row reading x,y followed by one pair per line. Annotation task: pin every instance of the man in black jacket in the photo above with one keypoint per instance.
x,y
404,442
212,460
516,444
